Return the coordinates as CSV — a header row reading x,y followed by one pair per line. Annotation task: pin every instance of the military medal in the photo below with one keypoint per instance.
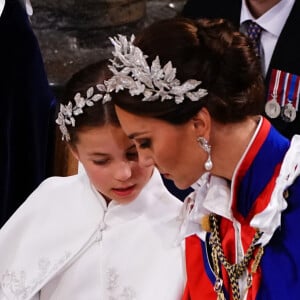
x,y
289,111
272,107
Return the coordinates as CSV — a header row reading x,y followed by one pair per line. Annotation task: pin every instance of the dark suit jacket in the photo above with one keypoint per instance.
x,y
286,55
26,111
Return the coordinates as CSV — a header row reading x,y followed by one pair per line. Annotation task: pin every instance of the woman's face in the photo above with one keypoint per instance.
x,y
110,160
173,149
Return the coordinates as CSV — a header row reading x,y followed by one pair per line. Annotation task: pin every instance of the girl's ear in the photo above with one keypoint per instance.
x,y
73,150
202,123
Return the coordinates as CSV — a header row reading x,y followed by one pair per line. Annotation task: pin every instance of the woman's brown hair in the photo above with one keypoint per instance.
x,y
210,51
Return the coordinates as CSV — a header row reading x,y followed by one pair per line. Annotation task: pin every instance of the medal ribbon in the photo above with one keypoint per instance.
x,y
275,88
274,84
292,90
298,94
285,89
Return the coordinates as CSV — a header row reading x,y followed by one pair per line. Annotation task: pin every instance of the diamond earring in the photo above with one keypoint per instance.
x,y
207,148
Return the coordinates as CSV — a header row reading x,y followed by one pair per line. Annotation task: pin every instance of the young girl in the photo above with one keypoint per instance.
x,y
106,233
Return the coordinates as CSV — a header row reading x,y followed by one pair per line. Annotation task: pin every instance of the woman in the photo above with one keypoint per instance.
x,y
106,233
190,94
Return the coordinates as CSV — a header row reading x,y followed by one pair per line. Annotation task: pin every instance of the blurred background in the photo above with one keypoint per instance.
x,y
74,33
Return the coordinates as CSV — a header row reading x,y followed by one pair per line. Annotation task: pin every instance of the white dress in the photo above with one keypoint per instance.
x,y
65,243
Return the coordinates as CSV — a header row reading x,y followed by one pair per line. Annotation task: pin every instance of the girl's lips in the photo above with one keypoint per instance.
x,y
124,191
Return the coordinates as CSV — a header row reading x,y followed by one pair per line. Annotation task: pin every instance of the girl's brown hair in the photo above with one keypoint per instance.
x,y
97,115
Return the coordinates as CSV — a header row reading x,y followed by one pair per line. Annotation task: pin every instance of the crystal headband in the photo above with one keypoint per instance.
x,y
132,72
67,113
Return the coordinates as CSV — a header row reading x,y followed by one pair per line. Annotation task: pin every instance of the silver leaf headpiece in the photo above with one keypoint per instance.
x,y
67,113
132,72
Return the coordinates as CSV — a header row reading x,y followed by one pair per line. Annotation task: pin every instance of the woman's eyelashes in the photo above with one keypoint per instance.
x,y
144,143
101,162
131,155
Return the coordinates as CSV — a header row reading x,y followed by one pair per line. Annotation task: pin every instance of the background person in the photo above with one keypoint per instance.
x,y
27,110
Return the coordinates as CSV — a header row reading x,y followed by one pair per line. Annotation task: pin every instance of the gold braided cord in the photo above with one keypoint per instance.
x,y
234,271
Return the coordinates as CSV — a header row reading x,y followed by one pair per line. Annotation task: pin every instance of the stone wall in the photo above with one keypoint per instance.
x,y
74,33
86,14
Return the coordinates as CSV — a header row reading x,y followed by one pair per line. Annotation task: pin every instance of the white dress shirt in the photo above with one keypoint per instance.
x,y
2,3
27,5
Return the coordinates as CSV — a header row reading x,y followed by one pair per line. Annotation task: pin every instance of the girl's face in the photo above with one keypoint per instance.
x,y
173,149
110,160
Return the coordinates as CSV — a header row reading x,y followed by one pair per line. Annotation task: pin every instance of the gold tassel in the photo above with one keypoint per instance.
x,y
205,223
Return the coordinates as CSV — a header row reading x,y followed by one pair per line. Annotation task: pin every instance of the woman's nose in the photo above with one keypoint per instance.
x,y
123,171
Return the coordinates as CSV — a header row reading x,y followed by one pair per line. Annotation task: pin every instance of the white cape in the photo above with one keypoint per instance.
x,y
65,243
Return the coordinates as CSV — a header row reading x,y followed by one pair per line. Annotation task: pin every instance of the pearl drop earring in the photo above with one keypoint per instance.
x,y
207,148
